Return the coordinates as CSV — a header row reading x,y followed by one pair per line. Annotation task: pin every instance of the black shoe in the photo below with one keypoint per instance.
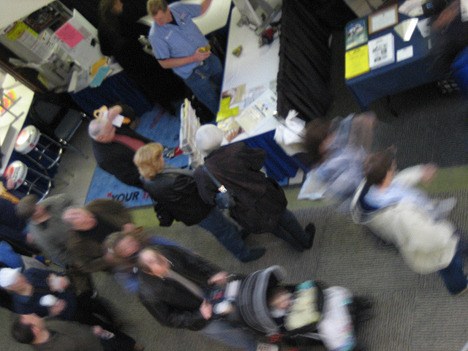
x,y
254,254
310,229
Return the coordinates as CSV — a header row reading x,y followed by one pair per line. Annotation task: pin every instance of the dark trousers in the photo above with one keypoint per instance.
x,y
94,311
120,342
290,230
453,276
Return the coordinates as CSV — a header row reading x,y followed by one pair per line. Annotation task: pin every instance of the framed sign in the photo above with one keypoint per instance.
x,y
383,19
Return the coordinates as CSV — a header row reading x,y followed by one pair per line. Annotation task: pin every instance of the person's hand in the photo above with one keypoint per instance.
x,y
446,16
56,309
128,227
219,278
10,184
206,310
97,330
58,283
113,112
199,56
429,172
102,333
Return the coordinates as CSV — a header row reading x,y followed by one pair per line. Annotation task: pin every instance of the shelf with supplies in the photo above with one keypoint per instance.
x,y
60,45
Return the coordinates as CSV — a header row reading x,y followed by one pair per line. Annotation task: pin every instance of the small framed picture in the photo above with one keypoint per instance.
x,y
384,18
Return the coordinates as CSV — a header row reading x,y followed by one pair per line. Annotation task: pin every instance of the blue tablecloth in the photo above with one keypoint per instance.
x,y
278,164
398,76
116,88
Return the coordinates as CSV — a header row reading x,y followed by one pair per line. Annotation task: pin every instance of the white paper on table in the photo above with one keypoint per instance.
x,y
412,8
382,19
406,28
423,26
381,51
264,106
404,53
289,134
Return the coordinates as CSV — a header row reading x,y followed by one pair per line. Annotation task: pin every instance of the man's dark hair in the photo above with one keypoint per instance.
x,y
377,165
22,332
316,132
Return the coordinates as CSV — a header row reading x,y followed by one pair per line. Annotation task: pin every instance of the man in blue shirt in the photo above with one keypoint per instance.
x,y
178,44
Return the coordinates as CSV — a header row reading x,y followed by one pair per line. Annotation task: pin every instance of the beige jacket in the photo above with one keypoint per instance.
x,y
426,245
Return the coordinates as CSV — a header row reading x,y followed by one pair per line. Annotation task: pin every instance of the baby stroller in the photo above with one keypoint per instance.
x,y
317,313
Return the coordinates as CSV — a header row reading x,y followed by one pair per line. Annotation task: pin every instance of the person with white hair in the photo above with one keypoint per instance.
x,y
260,203
114,147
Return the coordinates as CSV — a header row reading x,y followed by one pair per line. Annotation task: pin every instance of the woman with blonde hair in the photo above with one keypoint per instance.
x,y
176,195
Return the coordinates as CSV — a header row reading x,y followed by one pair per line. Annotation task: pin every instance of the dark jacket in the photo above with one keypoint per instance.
x,y
86,247
117,159
259,200
11,227
168,301
177,195
31,304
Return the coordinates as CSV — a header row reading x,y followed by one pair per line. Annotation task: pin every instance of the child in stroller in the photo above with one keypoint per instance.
x,y
296,313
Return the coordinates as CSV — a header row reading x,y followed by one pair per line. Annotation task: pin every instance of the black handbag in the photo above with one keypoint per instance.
x,y
223,198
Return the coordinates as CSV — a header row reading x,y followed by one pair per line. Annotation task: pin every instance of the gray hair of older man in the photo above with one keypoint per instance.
x,y
95,127
208,138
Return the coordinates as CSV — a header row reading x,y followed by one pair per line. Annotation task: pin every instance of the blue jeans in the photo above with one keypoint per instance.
x,y
290,230
453,276
224,332
226,232
205,83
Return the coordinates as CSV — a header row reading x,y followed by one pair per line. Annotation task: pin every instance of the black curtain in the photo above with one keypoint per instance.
x,y
304,72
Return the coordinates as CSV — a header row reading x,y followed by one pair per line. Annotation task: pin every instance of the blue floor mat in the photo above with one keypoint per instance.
x,y
157,125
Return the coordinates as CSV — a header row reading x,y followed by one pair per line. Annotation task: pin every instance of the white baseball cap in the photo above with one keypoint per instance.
x,y
8,276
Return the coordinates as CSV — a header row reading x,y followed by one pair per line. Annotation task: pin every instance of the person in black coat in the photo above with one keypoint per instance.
x,y
173,286
177,198
260,203
114,147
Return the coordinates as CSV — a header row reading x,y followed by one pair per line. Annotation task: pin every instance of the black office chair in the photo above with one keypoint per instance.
x,y
57,122
68,127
